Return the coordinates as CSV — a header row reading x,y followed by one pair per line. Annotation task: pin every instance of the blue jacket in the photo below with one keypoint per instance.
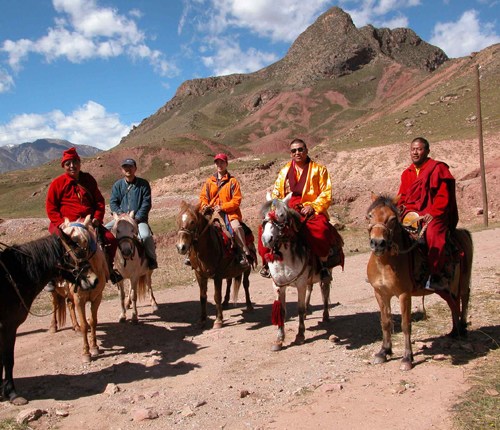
x,y
135,197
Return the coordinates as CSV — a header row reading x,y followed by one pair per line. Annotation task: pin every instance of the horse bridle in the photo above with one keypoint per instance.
x,y
131,239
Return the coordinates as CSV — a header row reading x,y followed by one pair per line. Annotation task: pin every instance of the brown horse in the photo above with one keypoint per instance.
x,y
24,271
131,262
203,241
391,271
84,234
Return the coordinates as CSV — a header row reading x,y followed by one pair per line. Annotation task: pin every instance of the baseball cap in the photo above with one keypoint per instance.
x,y
128,162
221,156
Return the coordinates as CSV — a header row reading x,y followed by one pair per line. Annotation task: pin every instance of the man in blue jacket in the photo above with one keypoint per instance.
x,y
132,193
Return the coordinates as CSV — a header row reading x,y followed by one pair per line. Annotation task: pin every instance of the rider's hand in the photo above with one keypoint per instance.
x,y
427,218
307,211
217,208
96,222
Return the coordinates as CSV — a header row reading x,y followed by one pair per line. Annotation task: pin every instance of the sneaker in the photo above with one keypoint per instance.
x,y
264,272
436,283
115,277
50,287
325,275
187,262
152,264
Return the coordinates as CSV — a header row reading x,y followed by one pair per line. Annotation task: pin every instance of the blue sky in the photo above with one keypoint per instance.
x,y
88,70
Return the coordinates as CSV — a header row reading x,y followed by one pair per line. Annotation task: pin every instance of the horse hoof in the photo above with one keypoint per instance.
x,y
86,358
217,324
94,352
299,340
122,320
406,365
52,330
155,307
225,305
379,359
134,321
277,346
18,401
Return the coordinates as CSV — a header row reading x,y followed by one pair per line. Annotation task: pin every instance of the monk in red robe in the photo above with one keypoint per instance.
x,y
428,188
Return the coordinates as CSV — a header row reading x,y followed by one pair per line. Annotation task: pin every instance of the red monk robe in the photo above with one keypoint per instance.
x,y
431,190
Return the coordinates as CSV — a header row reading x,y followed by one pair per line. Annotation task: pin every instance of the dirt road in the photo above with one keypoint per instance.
x,y
166,373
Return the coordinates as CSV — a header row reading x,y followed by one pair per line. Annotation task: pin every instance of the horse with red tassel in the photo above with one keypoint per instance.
x,y
292,264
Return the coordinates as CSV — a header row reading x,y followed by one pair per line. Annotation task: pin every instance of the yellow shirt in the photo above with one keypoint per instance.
x,y
317,189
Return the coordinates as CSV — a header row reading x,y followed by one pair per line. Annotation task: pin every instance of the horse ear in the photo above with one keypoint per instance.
x,y
395,200
87,221
131,214
374,196
66,222
287,198
269,197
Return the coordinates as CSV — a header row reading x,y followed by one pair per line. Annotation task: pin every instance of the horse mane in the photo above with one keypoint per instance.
x,y
384,200
34,258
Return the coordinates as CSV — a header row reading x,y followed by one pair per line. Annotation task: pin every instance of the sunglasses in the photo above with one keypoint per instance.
x,y
294,150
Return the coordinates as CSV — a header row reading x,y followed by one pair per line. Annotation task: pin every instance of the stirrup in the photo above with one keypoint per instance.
x,y
264,272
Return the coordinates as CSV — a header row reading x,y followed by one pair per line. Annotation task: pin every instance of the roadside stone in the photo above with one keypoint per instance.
x,y
244,393
328,388
112,389
439,357
62,413
187,412
28,415
333,338
144,414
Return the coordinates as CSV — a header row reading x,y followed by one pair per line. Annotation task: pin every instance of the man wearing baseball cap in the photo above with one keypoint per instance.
x,y
132,193
221,194
74,195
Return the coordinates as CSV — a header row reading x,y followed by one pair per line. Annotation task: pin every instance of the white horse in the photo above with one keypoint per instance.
x,y
290,264
131,262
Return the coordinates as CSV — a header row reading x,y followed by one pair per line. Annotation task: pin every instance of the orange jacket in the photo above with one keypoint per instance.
x,y
226,193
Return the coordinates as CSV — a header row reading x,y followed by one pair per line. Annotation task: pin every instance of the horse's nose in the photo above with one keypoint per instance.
x,y
181,248
377,245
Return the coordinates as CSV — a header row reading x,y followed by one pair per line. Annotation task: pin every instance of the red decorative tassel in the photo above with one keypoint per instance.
x,y
276,315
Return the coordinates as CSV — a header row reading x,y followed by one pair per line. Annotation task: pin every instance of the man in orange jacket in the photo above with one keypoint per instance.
x,y
428,188
221,194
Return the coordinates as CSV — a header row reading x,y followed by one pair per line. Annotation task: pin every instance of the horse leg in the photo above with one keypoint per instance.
x,y
301,301
225,303
202,283
405,305
133,300
218,302
384,303
94,306
84,327
8,342
246,287
121,292
325,294
308,297
281,301
72,314
152,299
55,308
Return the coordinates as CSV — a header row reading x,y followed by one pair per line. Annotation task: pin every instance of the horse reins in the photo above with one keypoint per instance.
x,y
395,250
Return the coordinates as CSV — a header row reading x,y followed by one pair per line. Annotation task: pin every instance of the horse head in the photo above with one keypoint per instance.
x,y
190,224
126,231
280,222
383,218
80,241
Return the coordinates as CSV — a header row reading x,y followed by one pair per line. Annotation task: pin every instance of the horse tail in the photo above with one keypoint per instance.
x,y
236,289
142,287
59,304
464,239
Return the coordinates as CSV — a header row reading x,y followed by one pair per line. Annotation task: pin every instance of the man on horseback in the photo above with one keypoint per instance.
x,y
311,188
221,194
134,194
428,188
74,195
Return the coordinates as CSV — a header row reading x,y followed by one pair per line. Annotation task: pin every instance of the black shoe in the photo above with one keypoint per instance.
x,y
264,271
115,277
325,275
50,287
436,283
152,264
187,262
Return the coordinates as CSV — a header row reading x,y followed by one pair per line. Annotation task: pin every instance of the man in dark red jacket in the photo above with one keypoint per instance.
x,y
74,195
428,188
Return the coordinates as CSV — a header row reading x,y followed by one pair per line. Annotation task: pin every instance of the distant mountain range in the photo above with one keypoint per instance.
x,y
41,151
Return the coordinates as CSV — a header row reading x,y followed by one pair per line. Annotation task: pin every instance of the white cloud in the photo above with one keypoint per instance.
x,y
84,31
472,35
229,58
375,12
6,81
87,125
